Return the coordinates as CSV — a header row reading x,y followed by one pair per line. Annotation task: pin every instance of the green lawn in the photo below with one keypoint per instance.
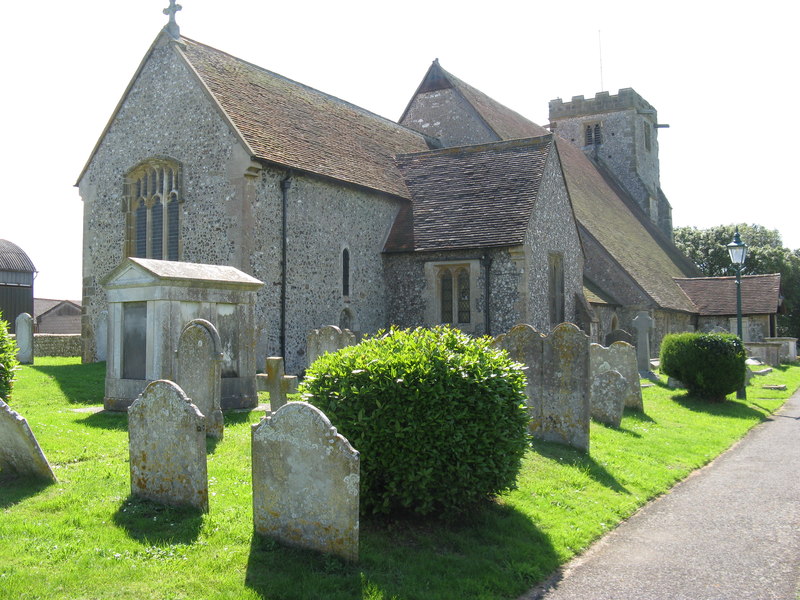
x,y
86,537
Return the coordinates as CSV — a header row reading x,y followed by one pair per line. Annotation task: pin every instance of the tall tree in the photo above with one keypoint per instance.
x,y
765,254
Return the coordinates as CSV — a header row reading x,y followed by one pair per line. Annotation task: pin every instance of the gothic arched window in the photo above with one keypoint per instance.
x,y
152,195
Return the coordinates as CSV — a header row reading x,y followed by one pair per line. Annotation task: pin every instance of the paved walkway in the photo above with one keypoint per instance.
x,y
729,531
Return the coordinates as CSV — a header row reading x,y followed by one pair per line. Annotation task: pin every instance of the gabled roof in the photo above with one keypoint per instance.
x,y
42,306
717,295
506,123
292,125
133,272
471,196
13,258
602,211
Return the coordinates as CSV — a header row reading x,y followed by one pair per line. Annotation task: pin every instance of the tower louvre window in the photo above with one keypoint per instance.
x,y
593,134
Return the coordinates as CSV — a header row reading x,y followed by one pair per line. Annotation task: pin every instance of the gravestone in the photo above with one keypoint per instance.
x,y
608,397
199,366
24,332
620,356
565,387
327,339
619,335
20,454
305,481
167,437
276,382
643,324
525,345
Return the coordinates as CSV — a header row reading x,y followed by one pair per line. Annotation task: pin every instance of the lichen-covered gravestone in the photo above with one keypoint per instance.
x,y
305,481
643,324
620,356
327,339
200,372
557,381
608,393
24,332
525,345
20,454
168,447
565,387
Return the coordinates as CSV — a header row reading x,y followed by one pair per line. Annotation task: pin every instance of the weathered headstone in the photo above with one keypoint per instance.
x,y
643,324
167,437
525,345
618,335
305,481
565,388
276,382
102,336
199,372
608,397
327,339
620,356
20,454
24,331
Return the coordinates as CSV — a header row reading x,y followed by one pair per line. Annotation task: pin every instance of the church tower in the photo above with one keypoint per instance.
x,y
619,133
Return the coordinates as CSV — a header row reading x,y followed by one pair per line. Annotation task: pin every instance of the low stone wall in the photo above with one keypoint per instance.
x,y
52,344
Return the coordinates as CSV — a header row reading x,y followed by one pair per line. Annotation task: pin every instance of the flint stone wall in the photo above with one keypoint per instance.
x,y
305,481
20,454
168,447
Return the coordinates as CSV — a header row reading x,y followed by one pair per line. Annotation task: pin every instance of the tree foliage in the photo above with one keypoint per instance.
x,y
765,254
8,360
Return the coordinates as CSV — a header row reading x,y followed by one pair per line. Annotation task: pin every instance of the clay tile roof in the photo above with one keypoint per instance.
x,y
13,258
470,197
293,125
602,212
717,295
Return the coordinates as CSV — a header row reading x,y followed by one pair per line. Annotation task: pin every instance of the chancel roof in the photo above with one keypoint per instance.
x,y
761,294
287,123
471,196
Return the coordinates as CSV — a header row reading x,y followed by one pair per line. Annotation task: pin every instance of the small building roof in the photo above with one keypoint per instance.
x,y
717,295
42,306
146,271
470,197
13,258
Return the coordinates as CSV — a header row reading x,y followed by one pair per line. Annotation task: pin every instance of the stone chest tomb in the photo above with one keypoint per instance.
x,y
150,302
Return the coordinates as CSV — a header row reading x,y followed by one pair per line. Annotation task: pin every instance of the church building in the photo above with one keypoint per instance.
x,y
464,212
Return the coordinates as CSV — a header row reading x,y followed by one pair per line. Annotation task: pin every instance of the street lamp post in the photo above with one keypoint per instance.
x,y
738,252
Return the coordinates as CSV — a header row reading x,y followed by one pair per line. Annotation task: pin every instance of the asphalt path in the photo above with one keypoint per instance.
x,y
731,530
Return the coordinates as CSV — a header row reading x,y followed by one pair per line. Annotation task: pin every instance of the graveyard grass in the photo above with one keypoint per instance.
x,y
86,537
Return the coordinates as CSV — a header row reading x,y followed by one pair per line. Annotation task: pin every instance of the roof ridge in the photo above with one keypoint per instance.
x,y
530,142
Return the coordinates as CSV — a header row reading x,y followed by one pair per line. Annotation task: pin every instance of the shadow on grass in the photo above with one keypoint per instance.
x,y
237,417
158,524
14,489
496,552
107,419
734,410
573,457
81,384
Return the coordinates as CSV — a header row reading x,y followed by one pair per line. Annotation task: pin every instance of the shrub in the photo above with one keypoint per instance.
x,y
438,417
8,360
710,365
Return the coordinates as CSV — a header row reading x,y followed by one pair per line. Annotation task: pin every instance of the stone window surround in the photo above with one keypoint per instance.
x,y
153,173
434,270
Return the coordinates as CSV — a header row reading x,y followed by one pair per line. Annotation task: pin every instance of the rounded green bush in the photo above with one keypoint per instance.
x,y
438,417
8,360
710,365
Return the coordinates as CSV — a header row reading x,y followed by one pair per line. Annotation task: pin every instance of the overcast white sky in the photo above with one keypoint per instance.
x,y
723,76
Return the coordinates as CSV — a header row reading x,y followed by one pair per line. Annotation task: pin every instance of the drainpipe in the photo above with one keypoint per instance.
x,y
286,183
486,261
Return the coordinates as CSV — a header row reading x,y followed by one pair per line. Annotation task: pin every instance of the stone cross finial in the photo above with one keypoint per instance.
x,y
172,27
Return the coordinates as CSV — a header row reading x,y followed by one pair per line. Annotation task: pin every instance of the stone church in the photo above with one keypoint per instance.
x,y
463,212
